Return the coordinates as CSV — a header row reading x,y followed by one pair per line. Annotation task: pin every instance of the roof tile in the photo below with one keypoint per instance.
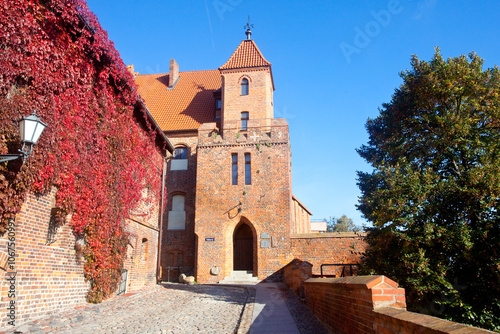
x,y
185,107
246,55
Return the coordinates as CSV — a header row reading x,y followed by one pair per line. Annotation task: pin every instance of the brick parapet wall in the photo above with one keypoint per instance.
x,y
295,274
371,304
324,248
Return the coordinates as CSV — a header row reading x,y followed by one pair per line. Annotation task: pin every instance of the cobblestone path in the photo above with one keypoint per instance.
x,y
166,308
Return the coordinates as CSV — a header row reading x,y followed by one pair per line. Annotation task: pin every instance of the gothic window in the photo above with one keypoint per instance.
x,y
234,168
248,169
244,87
244,120
177,216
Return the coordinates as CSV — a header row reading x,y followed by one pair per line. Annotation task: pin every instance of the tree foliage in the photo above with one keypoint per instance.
x,y
433,196
55,58
342,224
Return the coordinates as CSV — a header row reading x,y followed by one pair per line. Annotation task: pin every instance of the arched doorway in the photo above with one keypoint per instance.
x,y
243,248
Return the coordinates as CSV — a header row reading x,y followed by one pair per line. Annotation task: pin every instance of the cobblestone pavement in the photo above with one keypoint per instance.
x,y
166,308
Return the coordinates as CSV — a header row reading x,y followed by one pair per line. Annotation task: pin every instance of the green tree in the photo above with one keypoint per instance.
x,y
434,193
342,224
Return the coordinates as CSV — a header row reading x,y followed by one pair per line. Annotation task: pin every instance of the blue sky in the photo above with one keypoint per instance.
x,y
334,64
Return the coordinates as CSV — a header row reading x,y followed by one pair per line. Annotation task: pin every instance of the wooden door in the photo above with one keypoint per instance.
x,y
243,248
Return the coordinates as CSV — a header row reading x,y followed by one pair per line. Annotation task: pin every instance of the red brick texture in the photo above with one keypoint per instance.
x,y
322,248
178,246
370,304
295,274
49,276
265,203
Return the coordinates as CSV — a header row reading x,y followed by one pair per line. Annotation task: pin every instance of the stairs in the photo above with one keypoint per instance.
x,y
240,277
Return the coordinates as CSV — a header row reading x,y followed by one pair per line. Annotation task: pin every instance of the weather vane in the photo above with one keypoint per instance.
x,y
247,27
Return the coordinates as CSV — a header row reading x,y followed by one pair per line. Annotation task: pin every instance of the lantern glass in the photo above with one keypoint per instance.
x,y
30,129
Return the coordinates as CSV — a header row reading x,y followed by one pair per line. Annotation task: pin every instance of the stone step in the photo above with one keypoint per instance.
x,y
240,277
241,273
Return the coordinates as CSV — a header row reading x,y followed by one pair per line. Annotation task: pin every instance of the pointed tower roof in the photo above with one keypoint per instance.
x,y
246,55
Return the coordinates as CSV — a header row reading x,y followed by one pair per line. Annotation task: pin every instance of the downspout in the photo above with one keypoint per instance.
x,y
160,229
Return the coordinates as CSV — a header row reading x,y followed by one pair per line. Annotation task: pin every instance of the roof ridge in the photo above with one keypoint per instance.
x,y
179,72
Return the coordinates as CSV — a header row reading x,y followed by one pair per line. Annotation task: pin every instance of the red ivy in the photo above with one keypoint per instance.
x,y
56,58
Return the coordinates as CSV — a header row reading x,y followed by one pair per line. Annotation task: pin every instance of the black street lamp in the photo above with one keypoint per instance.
x,y
30,129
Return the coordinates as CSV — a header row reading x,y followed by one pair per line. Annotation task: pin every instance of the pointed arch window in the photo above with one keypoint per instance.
x,y
244,87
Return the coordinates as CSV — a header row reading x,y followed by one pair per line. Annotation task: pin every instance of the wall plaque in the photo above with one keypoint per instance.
x,y
264,244
264,235
209,239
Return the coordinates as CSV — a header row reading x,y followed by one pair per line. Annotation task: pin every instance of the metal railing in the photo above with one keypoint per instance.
x,y
343,265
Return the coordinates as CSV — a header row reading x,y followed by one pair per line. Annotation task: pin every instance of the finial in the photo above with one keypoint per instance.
x,y
247,27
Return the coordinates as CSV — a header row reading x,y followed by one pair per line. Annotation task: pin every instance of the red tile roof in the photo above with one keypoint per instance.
x,y
246,55
185,107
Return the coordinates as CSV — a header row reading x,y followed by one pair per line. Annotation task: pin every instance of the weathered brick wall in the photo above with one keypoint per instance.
x,y
370,304
49,276
265,204
141,254
258,102
179,245
295,274
322,248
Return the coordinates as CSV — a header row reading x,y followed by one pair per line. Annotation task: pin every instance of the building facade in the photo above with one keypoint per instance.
x,y
229,203
229,187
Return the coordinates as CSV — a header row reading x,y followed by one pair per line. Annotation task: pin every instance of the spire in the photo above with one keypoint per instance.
x,y
247,27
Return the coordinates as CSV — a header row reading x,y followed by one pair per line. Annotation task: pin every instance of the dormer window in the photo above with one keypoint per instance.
x,y
244,87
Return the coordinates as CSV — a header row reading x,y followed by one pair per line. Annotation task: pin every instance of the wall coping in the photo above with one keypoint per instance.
x,y
329,235
428,322
359,282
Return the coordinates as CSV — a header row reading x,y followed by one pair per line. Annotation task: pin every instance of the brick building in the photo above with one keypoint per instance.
x,y
229,189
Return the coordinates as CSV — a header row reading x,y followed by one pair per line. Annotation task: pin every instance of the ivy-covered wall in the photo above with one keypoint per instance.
x,y
99,150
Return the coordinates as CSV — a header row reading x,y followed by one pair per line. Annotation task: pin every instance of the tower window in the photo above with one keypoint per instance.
x,y
248,169
180,153
244,87
244,121
234,168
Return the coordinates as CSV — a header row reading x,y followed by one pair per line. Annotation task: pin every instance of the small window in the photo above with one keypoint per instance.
x,y
218,107
244,121
248,169
234,168
180,153
244,87
144,249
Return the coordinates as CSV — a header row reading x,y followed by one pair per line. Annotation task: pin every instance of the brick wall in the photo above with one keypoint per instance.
x,y
371,304
259,101
265,204
178,246
49,276
295,274
321,248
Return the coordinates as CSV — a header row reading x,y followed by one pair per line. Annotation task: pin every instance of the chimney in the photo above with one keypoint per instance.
x,y
173,74
130,68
